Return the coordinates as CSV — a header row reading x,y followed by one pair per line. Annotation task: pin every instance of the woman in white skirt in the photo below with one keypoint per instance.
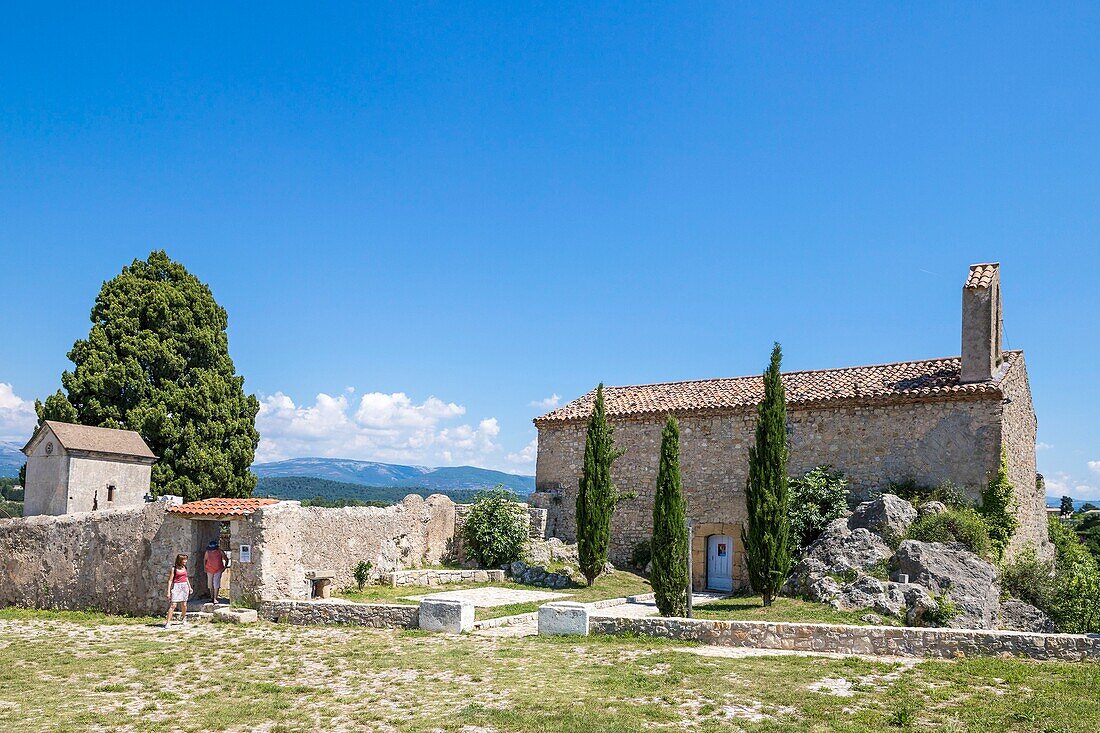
x,y
179,589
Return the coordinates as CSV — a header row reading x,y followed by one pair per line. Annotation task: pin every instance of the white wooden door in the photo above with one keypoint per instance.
x,y
719,562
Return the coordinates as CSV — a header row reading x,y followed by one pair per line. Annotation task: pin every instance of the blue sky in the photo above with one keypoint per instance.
x,y
426,221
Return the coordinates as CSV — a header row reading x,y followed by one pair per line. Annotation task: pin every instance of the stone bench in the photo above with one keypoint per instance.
x,y
320,583
563,618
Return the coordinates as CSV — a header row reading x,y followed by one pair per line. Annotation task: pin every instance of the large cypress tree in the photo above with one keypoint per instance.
x,y
669,576
597,497
157,361
766,538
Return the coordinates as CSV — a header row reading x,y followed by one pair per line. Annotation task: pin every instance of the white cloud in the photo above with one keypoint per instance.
x,y
17,416
1094,466
1062,484
380,427
525,458
547,403
1043,446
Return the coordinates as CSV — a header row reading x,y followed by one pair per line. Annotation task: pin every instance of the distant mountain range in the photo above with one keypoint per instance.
x,y
11,459
1077,503
370,473
298,488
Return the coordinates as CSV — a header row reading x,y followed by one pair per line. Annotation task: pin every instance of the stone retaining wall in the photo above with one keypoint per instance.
x,y
375,615
877,640
430,577
113,560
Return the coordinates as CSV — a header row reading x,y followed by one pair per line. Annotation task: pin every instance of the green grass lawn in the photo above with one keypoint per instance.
x,y
751,608
82,672
619,584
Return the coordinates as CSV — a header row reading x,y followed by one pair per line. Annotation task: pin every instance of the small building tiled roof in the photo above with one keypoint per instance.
x,y
221,507
981,276
86,438
936,379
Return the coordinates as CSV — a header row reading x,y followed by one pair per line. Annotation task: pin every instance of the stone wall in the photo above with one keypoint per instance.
x,y
288,539
928,441
861,640
116,560
434,577
376,615
1018,439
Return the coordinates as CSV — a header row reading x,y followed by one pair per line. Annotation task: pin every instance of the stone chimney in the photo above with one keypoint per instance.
x,y
982,324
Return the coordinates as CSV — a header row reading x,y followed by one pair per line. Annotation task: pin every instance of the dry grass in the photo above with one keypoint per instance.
x,y
77,672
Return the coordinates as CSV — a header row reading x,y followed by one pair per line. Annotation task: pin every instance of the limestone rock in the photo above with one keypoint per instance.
x,y
887,516
871,618
1019,616
446,615
930,508
969,582
838,551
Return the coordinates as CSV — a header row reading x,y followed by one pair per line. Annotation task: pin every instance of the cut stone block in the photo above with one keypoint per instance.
x,y
564,618
231,615
446,615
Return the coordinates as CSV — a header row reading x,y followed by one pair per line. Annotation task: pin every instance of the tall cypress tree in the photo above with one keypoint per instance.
x,y
766,538
157,361
669,576
597,497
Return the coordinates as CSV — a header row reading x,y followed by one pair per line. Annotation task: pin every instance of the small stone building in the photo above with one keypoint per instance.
x,y
929,421
79,468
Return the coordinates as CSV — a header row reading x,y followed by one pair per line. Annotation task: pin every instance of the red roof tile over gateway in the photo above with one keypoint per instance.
x,y
221,507
931,379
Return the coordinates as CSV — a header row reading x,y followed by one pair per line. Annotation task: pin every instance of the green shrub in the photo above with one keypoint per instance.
x,y
641,554
944,611
917,494
362,573
957,524
496,528
998,509
1075,603
816,499
1029,578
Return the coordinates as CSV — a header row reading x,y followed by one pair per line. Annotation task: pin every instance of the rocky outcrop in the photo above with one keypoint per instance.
x,y
1019,616
521,572
545,552
839,553
950,570
851,564
931,508
887,516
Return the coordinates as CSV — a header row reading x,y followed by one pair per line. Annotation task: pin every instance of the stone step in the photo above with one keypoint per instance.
x,y
199,616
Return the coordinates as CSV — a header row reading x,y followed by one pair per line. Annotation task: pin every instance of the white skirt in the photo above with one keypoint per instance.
x,y
180,593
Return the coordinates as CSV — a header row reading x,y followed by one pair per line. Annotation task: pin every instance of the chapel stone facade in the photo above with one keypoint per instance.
x,y
929,421
79,468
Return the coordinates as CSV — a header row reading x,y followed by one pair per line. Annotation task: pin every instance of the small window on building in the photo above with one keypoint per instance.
x,y
110,493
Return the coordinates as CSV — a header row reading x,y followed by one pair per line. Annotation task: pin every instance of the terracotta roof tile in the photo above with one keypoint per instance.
x,y
981,276
75,437
908,380
221,507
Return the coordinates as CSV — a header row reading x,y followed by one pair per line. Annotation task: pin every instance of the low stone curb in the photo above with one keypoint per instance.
x,y
493,623
859,640
374,615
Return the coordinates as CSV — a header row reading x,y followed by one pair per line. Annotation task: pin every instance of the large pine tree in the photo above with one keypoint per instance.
x,y
669,576
597,497
157,361
766,538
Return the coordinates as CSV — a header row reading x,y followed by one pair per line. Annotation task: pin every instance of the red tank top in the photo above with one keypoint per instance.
x,y
214,561
180,575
